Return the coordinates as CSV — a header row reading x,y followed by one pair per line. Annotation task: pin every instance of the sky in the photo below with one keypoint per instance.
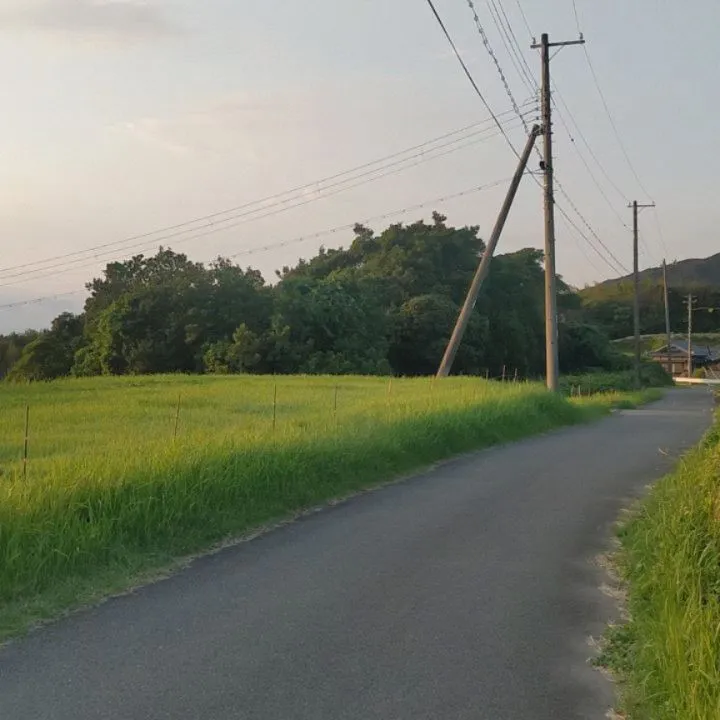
x,y
124,117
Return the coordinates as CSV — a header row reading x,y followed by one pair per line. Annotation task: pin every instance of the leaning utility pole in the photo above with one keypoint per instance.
x,y
551,328
667,316
636,283
484,266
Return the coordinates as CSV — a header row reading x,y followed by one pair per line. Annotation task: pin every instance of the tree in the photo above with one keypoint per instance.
x,y
162,314
584,347
417,259
387,303
11,348
241,355
334,325
422,328
50,355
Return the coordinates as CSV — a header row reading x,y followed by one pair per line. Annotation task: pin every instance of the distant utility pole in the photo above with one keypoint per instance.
x,y
551,327
689,342
636,207
667,316
484,266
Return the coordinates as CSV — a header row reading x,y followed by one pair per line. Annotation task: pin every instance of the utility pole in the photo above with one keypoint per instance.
x,y
551,328
636,207
667,317
484,266
689,342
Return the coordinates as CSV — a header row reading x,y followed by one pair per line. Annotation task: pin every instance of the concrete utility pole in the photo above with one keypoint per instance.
x,y
690,319
484,266
551,328
667,316
636,283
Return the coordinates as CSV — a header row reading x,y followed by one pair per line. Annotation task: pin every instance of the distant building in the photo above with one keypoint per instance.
x,y
675,358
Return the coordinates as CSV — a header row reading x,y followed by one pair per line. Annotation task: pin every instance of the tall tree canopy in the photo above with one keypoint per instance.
x,y
385,304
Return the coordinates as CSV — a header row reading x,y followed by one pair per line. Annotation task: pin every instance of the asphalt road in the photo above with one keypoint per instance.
x,y
468,592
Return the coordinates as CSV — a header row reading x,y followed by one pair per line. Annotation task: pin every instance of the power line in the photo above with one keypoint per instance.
x,y
469,75
618,137
507,36
577,17
491,52
374,218
581,135
288,195
588,226
38,300
620,268
304,238
514,40
525,20
572,204
582,249
656,215
234,221
590,172
212,228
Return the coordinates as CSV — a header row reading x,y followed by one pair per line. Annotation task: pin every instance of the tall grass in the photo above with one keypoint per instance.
x,y
668,655
652,375
119,481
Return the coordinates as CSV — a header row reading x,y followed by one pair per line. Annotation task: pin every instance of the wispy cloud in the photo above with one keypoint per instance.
x,y
118,20
231,124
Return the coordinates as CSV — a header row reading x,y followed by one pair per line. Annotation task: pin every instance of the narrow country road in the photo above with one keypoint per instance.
x,y
466,593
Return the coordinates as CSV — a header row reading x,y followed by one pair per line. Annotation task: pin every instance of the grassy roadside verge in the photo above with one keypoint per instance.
x,y
667,656
91,521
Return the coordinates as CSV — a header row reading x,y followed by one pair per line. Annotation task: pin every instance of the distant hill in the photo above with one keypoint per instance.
x,y
703,272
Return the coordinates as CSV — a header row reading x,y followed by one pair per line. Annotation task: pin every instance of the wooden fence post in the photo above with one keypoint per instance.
x,y
274,423
177,418
25,444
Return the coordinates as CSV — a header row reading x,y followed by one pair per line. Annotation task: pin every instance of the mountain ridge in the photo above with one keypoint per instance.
x,y
691,272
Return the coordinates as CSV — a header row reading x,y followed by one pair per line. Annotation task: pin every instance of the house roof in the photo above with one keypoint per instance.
x,y
681,346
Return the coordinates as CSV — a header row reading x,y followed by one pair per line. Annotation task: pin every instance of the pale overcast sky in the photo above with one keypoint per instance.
x,y
122,117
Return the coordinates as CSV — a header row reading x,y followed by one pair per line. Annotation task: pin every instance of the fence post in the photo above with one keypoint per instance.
x,y
177,418
516,376
274,408
25,444
503,374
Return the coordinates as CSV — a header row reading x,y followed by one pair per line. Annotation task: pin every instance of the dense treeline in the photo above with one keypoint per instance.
x,y
386,304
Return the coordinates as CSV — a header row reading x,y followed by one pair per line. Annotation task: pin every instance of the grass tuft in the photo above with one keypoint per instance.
x,y
668,655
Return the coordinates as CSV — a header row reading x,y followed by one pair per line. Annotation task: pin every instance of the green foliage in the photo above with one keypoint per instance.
x,y
50,354
387,304
652,375
11,348
667,655
583,347
610,306
91,515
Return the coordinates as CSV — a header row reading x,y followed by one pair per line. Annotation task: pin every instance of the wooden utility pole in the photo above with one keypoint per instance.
x,y
636,207
689,342
484,266
667,317
551,327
